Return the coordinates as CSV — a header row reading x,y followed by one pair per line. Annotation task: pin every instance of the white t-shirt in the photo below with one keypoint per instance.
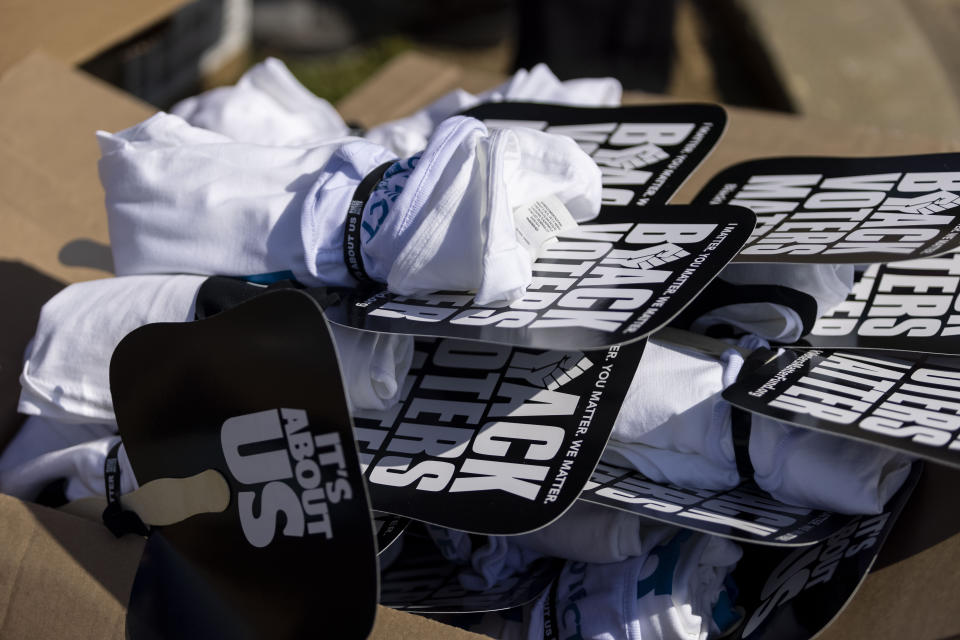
x,y
66,371
675,427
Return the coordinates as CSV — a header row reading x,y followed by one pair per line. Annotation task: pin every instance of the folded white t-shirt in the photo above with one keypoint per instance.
x,y
451,225
588,532
181,199
675,427
408,135
66,371
584,533
39,435
66,368
827,284
673,592
81,465
681,584
268,105
493,559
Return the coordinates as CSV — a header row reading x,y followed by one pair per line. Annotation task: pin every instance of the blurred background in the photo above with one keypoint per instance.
x,y
887,63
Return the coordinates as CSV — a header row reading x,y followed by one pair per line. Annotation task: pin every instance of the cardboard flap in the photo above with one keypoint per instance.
x,y
80,575
52,202
74,31
58,560
382,98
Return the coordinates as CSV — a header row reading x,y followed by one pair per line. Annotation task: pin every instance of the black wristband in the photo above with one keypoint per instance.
x,y
741,421
551,624
118,521
352,256
111,474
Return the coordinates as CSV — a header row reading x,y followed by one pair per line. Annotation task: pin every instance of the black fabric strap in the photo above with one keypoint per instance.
x,y
219,293
111,474
551,628
352,256
741,420
720,293
119,521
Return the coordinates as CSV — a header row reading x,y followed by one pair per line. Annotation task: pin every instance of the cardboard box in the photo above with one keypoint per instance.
x,y
61,576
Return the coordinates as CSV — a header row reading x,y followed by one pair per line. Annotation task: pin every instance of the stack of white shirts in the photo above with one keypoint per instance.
x,y
66,371
675,427
675,591
81,466
258,179
668,594
238,194
584,533
181,199
539,84
269,106
266,106
259,182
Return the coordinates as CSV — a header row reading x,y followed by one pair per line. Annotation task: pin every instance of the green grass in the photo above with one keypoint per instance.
x,y
333,76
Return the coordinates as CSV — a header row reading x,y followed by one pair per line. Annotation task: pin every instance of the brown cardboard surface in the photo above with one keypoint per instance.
x,y
914,588
399,625
61,576
753,134
73,31
406,83
64,577
51,202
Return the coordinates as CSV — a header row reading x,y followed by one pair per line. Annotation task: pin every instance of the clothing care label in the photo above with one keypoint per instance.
x,y
793,594
251,394
493,439
644,152
905,401
744,513
422,580
541,220
912,305
845,210
594,286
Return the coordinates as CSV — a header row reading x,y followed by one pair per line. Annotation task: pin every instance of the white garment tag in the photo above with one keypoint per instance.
x,y
541,220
